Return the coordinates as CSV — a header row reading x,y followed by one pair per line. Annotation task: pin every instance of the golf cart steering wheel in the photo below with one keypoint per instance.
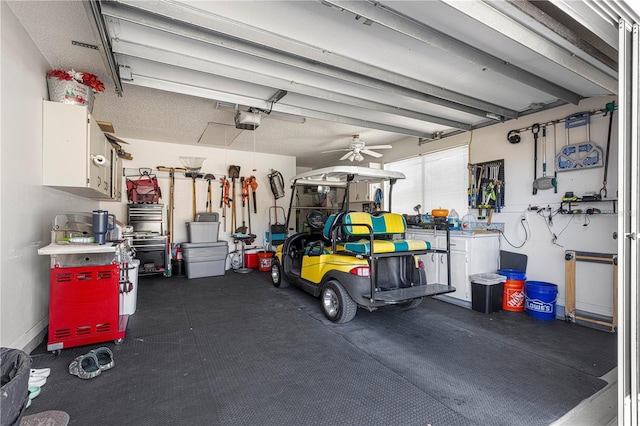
x,y
316,219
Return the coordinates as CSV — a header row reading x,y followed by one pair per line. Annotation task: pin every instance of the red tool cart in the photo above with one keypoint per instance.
x,y
85,281
84,306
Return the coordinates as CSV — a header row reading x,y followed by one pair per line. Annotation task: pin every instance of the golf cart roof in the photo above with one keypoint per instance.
x,y
338,174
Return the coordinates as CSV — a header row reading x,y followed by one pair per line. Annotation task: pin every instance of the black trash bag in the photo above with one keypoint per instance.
x,y
15,367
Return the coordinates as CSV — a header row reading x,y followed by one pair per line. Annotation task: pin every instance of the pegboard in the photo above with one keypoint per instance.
x,y
486,185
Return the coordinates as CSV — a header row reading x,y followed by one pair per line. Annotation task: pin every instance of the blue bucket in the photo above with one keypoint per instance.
x,y
540,299
513,274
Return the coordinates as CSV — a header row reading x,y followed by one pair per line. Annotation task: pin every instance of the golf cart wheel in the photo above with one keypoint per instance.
x,y
338,306
276,275
413,303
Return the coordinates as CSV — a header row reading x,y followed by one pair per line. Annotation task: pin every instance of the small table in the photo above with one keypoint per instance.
x,y
243,238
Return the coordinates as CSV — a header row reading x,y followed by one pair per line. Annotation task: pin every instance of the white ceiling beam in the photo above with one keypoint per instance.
x,y
393,20
170,57
192,90
260,43
506,26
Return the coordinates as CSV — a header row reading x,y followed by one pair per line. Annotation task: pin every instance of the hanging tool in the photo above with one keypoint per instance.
x,y
253,183
580,155
234,173
535,129
378,199
172,184
224,200
609,108
193,166
555,163
277,184
209,177
248,216
244,183
544,182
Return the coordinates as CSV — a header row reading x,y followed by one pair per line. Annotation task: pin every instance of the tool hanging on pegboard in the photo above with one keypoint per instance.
x,y
486,187
578,155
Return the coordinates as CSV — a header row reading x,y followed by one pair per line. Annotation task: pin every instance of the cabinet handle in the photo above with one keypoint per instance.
x,y
99,181
441,259
432,258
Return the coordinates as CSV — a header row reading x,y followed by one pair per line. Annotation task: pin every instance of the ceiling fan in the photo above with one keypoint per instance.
x,y
357,148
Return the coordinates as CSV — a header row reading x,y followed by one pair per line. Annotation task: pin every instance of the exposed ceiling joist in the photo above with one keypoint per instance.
x,y
250,76
506,26
192,90
568,28
405,25
238,37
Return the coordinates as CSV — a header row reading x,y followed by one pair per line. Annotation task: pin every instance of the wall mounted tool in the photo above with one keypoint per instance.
x,y
193,166
535,129
544,182
580,155
610,107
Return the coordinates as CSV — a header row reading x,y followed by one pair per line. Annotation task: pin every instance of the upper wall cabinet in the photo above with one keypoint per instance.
x,y
77,157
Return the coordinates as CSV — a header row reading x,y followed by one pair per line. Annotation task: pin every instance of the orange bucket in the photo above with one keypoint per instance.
x,y
513,295
265,261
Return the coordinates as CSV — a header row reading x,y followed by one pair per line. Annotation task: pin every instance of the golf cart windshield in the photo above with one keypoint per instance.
x,y
327,189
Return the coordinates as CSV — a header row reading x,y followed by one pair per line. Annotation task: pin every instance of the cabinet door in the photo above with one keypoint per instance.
x,y
99,176
460,275
64,145
431,267
358,192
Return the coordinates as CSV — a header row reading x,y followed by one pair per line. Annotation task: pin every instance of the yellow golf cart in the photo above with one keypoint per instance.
x,y
350,259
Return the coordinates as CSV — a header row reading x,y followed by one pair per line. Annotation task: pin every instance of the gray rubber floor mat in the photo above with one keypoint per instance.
x,y
234,350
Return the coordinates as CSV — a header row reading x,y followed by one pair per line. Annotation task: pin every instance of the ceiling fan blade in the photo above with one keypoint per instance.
x,y
335,150
380,146
344,157
371,153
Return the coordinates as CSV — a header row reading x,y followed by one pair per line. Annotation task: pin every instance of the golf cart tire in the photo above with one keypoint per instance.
x,y
337,305
276,275
410,304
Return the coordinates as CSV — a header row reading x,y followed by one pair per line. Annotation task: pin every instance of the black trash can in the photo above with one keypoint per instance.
x,y
15,367
486,292
177,266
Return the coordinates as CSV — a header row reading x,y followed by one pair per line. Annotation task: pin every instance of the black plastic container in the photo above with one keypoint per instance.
x,y
486,292
177,266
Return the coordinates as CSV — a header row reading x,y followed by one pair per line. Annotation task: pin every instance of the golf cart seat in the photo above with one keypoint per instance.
x,y
357,227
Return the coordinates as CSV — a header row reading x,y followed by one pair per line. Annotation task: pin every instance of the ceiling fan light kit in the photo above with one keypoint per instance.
x,y
356,148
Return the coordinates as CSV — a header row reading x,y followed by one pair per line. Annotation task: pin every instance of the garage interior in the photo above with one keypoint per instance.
x,y
312,78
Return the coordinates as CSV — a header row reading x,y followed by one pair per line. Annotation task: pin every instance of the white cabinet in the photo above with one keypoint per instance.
x,y
359,192
71,140
470,254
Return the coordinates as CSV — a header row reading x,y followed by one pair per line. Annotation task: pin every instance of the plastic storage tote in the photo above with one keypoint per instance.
x,y
205,259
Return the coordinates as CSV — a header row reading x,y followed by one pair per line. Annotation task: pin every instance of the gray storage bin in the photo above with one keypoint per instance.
x,y
203,232
205,259
207,217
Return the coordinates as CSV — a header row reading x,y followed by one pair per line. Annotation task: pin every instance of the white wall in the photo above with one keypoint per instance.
x,y
545,259
148,154
28,208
